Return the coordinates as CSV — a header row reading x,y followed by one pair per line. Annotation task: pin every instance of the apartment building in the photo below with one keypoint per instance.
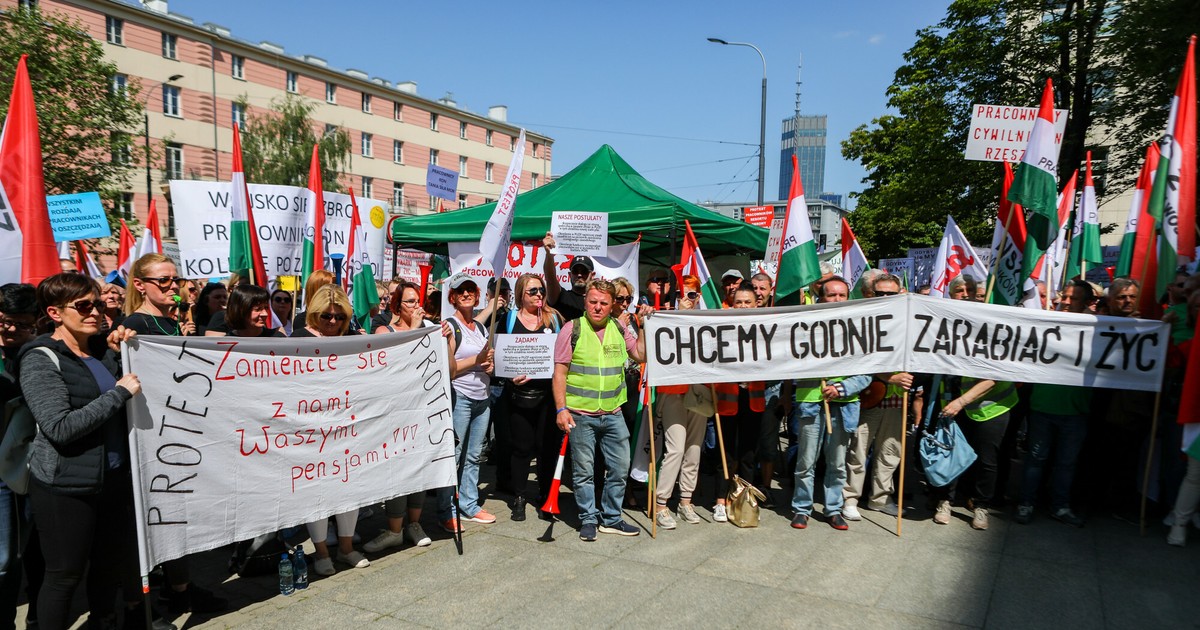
x,y
192,76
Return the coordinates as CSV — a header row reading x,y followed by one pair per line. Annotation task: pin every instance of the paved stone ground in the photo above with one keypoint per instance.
x,y
715,575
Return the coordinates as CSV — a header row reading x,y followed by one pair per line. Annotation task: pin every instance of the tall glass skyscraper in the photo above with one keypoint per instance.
x,y
805,135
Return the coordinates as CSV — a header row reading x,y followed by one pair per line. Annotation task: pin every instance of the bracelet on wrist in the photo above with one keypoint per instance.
x,y
560,410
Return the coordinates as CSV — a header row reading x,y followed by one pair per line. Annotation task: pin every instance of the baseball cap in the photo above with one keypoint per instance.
x,y
504,286
459,279
583,261
734,273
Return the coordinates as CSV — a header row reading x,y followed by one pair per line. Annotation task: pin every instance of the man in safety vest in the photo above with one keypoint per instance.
x,y
879,430
810,396
589,389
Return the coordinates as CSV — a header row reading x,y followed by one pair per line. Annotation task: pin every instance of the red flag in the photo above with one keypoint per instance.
x,y
355,226
440,207
151,237
1185,139
23,189
84,262
126,251
1144,267
1189,403
1016,226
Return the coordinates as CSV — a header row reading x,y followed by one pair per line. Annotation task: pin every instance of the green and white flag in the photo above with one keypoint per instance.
x,y
798,264
363,294
1085,241
1034,185
313,256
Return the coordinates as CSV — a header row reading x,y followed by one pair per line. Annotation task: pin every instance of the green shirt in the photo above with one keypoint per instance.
x,y
1061,400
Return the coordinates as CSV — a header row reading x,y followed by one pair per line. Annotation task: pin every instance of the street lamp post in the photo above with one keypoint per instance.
x,y
149,179
762,121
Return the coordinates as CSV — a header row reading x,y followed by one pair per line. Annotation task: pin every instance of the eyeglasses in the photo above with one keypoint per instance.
x,y
333,317
886,293
16,325
625,299
164,282
658,280
536,291
87,306
691,295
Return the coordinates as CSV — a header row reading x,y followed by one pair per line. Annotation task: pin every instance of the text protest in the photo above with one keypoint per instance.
x,y
909,332
234,438
525,355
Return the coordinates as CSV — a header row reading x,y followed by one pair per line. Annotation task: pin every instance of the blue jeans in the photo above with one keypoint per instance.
x,y
10,556
470,428
1062,435
812,437
612,436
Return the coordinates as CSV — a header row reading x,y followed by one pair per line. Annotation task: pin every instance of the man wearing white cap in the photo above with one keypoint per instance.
x,y
730,281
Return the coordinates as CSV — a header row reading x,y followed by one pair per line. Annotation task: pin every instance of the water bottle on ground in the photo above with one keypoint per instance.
x,y
300,570
286,585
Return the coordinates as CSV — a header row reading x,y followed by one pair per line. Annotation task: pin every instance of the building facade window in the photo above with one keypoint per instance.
x,y
121,151
397,111
330,93
433,120
462,130
114,30
125,206
533,180
487,172
397,151
368,187
174,166
239,116
536,148
238,67
120,85
27,4
169,45
512,143
462,202
366,144
487,137
293,82
433,157
462,166
397,196
171,101
366,103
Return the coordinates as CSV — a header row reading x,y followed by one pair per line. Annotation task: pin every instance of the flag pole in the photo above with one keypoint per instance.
x,y
1149,460
825,403
720,438
651,503
903,451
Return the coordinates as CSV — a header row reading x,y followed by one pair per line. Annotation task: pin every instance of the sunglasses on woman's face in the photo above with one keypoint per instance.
x,y
536,291
164,282
624,299
85,307
281,299
691,295
333,317
886,293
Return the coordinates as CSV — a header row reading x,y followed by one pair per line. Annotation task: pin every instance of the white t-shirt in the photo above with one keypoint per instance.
x,y
472,383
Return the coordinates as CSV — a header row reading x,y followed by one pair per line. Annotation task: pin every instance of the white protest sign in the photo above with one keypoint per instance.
x,y
233,438
408,263
202,217
770,262
528,256
908,332
922,258
525,355
1000,133
580,233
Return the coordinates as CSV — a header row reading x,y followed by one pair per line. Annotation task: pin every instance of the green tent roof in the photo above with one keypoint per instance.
x,y
602,183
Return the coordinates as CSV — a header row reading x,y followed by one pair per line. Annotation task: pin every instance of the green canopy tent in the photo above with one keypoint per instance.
x,y
602,183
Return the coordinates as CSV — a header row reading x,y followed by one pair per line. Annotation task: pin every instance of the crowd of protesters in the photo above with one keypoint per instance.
x,y
1066,452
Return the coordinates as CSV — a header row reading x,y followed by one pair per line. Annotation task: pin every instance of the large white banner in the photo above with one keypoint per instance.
x,y
1000,133
202,224
907,332
233,438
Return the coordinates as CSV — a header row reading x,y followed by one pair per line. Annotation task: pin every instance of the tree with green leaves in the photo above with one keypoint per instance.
x,y
82,120
277,145
983,51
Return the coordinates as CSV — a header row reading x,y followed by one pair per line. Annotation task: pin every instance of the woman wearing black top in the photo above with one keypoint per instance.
x,y
532,429
211,301
152,306
249,312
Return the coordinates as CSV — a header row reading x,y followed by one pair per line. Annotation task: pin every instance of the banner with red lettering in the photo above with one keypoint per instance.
x,y
234,438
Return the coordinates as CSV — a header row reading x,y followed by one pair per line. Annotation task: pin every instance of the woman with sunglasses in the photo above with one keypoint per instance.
x,y
683,432
328,315
407,314
154,301
532,430
281,304
249,312
472,402
80,485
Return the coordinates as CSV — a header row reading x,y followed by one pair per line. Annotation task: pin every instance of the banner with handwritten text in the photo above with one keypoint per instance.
x,y
233,438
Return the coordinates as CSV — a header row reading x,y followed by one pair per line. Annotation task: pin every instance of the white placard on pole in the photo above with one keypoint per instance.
x,y
580,233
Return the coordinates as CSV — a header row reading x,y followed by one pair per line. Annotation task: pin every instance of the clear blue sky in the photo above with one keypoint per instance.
x,y
639,76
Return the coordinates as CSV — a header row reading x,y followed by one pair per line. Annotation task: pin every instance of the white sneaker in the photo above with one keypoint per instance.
x,y
688,513
416,535
1177,536
850,512
664,519
719,513
385,540
354,559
